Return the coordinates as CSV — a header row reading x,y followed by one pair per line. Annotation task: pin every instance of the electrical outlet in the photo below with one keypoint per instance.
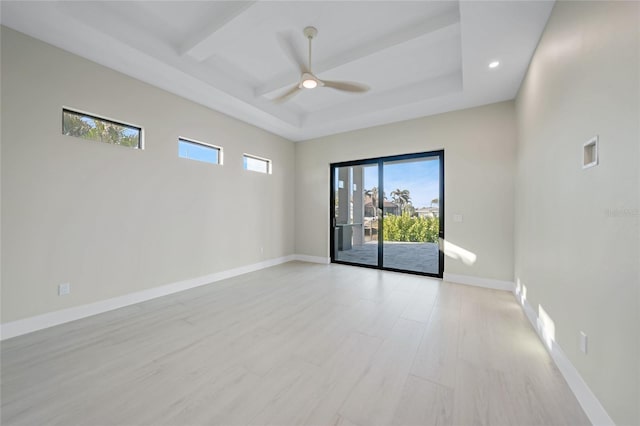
x,y
583,342
64,289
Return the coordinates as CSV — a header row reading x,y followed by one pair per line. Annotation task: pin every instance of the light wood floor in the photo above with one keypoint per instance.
x,y
291,345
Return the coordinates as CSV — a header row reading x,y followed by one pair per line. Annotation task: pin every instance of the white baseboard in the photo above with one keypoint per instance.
x,y
589,402
39,322
479,282
312,259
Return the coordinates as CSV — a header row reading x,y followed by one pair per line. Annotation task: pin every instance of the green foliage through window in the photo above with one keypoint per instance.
x,y
411,229
101,130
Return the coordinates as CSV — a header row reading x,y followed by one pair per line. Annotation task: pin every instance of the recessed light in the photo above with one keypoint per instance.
x,y
494,64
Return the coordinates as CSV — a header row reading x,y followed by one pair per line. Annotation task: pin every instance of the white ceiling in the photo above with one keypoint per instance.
x,y
418,57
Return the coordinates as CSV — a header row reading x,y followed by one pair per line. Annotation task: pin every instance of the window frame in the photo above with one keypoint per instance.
x,y
255,157
204,144
81,113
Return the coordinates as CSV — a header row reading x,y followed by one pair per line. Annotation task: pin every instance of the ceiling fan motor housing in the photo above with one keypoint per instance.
x,y
310,32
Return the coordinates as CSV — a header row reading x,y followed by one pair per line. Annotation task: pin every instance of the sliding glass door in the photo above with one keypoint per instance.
x,y
412,221
387,213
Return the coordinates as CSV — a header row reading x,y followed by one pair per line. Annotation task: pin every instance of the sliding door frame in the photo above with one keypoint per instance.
x,y
379,161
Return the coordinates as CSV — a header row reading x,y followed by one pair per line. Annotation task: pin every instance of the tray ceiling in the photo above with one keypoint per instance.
x,y
419,57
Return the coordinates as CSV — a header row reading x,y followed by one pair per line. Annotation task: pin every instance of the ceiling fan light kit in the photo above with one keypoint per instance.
x,y
309,81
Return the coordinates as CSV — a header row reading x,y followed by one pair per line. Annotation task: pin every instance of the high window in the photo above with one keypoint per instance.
x,y
256,164
100,129
199,151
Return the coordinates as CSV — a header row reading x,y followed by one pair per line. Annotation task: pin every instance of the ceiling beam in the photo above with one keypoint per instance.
x,y
433,28
200,46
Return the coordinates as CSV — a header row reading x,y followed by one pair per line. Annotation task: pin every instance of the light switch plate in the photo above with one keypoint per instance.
x,y
64,289
583,342
590,153
457,218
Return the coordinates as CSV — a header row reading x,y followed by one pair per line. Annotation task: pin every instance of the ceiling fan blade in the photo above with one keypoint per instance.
x,y
288,94
346,86
289,48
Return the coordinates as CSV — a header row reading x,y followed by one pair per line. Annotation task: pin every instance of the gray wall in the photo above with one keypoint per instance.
x,y
112,220
479,145
577,232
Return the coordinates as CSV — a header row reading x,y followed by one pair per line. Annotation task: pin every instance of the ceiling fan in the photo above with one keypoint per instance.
x,y
309,81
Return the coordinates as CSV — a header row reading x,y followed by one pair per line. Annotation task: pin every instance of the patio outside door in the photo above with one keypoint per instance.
x,y
388,213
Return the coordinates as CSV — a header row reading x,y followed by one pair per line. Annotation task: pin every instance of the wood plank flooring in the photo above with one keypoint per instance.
x,y
296,344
